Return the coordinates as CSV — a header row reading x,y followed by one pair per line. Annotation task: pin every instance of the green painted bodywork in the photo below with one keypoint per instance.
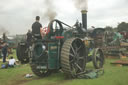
x,y
54,50
38,50
53,56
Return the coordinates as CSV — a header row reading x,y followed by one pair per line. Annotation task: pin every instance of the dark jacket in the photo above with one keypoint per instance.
x,y
5,49
36,28
29,37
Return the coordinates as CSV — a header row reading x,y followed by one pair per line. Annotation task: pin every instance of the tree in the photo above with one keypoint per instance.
x,y
123,26
108,28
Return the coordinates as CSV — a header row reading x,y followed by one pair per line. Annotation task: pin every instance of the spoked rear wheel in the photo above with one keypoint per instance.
x,y
73,57
98,58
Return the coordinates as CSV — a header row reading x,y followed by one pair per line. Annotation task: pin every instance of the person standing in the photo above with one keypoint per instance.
x,y
29,38
4,51
1,48
4,37
36,28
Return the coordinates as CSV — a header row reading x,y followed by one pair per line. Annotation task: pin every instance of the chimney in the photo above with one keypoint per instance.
x,y
84,19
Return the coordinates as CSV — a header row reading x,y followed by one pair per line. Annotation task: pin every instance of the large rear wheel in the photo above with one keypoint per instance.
x,y
73,57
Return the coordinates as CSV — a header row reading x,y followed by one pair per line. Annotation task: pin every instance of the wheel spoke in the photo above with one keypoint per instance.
x,y
98,58
71,61
71,55
73,49
78,48
100,64
78,66
80,58
98,54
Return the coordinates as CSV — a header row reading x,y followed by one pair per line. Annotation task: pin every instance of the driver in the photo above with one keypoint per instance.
x,y
36,28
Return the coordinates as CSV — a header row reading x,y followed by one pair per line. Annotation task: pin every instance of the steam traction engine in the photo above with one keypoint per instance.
x,y
65,47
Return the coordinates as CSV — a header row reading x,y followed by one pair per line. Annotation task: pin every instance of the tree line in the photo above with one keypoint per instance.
x,y
123,26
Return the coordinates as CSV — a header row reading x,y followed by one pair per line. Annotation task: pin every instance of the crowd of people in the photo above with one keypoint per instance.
x,y
4,53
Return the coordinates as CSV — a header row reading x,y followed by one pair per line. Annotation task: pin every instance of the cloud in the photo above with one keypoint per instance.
x,y
108,12
17,16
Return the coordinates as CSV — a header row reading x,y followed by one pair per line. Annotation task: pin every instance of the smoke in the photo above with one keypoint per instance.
x,y
50,12
81,4
3,30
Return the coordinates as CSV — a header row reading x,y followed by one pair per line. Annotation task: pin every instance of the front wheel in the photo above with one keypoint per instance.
x,y
98,58
39,72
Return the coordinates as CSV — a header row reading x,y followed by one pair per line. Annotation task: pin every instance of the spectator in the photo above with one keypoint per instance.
x,y
4,51
29,38
1,48
11,62
4,37
36,28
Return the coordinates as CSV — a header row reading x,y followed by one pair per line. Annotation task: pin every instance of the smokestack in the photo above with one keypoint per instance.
x,y
84,19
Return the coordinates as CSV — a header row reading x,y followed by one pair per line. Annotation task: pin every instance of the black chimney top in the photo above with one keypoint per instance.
x,y
84,19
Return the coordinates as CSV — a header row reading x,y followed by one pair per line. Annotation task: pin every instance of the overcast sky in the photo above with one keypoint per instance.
x,y
17,16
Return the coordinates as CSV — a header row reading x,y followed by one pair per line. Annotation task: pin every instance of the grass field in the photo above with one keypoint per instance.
x,y
114,75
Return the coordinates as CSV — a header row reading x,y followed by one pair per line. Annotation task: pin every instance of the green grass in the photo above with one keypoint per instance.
x,y
114,75
13,54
